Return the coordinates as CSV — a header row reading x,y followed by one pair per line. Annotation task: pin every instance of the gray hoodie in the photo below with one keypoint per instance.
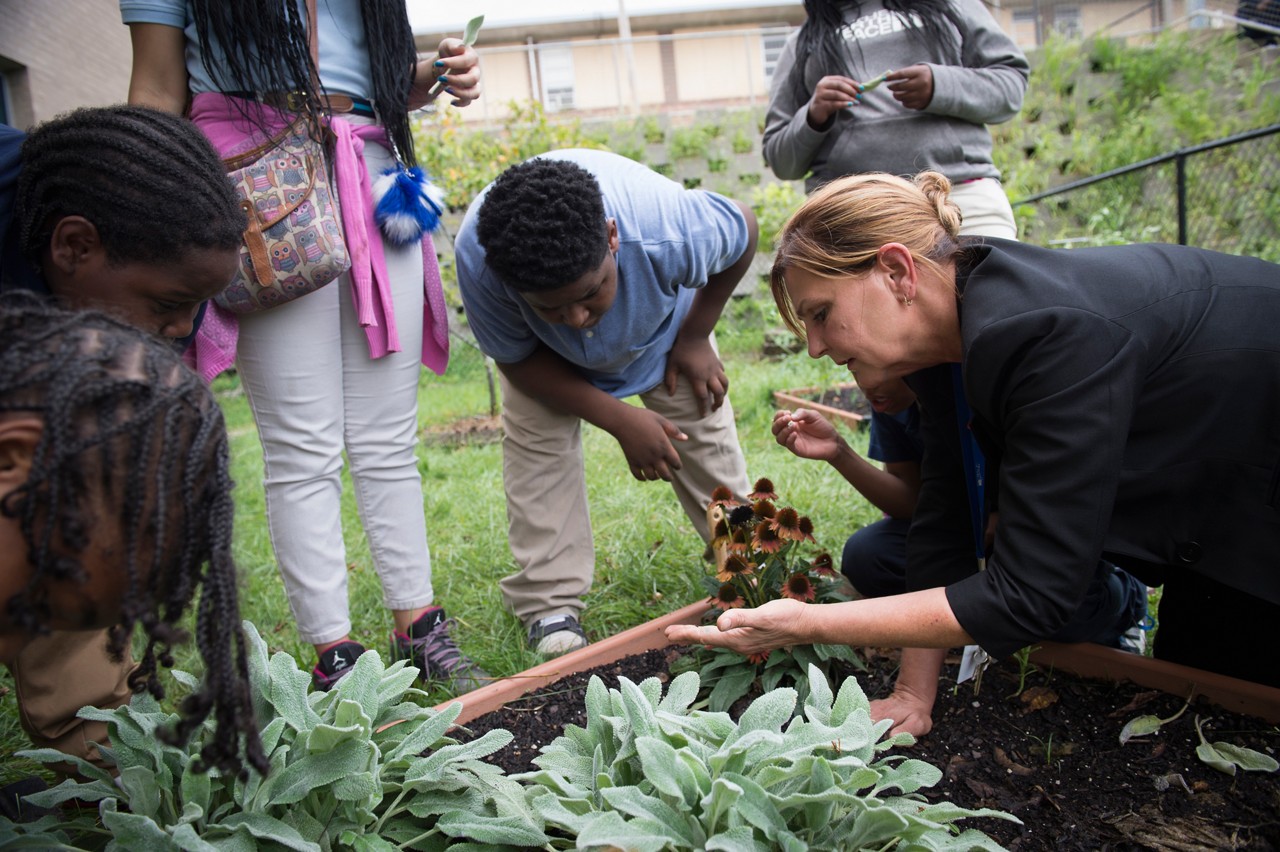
x,y
979,78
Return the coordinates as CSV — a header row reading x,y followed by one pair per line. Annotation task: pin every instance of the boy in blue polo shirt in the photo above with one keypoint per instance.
x,y
589,278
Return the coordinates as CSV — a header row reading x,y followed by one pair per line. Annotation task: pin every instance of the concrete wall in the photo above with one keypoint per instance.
x,y
56,55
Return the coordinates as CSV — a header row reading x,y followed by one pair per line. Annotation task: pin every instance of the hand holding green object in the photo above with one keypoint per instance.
x,y
468,38
875,81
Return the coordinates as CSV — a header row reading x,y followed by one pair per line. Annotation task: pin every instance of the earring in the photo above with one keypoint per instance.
x,y
908,302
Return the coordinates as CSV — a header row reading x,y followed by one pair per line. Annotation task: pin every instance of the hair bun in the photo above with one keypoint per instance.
x,y
937,189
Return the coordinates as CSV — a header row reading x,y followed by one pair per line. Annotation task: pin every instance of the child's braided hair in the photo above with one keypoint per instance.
x,y
131,441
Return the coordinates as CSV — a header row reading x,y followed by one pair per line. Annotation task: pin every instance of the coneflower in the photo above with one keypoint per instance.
x,y
728,597
824,566
766,539
806,528
763,509
799,588
786,523
735,565
722,496
763,490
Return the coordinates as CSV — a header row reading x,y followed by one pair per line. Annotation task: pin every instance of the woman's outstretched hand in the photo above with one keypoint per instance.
x,y
775,624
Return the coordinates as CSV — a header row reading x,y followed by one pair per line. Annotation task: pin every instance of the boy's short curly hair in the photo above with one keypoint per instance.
x,y
542,225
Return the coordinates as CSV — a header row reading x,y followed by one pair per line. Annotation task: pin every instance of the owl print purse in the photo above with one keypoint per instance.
x,y
293,244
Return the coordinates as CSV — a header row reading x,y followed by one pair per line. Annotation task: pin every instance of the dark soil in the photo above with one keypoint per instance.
x,y
1051,756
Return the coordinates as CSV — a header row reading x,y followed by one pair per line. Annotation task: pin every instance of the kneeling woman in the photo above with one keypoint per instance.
x,y
1127,400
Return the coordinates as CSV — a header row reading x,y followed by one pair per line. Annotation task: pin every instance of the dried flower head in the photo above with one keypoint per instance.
x,y
806,529
824,566
740,516
799,587
762,490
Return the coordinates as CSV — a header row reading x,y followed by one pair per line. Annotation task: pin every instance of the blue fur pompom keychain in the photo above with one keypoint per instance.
x,y
406,204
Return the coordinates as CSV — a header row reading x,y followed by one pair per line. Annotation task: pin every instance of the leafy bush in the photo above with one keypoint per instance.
x,y
689,143
649,774
773,204
359,767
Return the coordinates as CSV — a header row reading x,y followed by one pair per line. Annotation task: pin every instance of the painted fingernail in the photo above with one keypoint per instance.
x,y
439,63
443,79
849,104
860,89
450,90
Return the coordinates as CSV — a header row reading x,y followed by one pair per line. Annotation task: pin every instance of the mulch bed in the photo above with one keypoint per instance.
x,y
1050,755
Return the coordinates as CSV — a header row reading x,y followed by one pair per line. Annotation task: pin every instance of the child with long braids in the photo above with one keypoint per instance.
x,y
337,369
115,506
951,72
127,210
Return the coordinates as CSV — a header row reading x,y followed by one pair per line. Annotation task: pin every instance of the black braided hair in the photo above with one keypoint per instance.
x,y
542,225
132,443
239,26
150,182
822,42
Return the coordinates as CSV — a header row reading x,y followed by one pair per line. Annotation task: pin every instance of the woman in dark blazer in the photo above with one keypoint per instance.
x,y
1127,401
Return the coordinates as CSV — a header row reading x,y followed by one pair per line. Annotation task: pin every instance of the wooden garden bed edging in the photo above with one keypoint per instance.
x,y
798,398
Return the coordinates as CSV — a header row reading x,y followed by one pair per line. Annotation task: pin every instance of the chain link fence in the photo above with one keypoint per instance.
x,y
1222,195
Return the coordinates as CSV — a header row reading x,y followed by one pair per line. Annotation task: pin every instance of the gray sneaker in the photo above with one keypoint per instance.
x,y
556,635
430,648
1134,640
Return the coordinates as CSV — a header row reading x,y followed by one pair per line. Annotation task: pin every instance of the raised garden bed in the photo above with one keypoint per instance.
x,y
1048,753
843,403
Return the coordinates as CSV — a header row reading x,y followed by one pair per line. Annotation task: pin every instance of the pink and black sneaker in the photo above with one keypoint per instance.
x,y
429,646
335,663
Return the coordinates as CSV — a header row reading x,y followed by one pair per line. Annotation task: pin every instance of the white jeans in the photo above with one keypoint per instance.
x,y
985,208
315,392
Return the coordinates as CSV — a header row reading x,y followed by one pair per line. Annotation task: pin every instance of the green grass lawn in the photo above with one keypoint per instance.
x,y
648,558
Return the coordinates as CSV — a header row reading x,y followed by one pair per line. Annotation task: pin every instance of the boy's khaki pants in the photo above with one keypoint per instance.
x,y
57,674
549,522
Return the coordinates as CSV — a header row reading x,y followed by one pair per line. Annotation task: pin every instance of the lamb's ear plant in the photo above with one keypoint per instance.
x,y
1226,757
360,767
649,773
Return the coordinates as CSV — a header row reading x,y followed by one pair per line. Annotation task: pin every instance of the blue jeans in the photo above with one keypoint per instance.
x,y
875,562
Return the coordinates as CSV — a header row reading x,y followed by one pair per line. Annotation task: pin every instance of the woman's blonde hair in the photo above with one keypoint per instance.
x,y
839,230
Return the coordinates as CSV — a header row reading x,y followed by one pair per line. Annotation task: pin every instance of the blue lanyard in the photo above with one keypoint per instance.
x,y
975,465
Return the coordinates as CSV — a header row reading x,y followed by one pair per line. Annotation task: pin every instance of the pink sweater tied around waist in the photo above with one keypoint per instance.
x,y
214,349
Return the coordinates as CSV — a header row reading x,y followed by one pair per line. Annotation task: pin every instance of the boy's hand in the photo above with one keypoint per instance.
x,y
645,438
807,434
696,360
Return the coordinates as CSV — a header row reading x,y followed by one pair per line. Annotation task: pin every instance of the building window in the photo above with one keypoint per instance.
x,y
1024,28
772,44
556,66
1067,21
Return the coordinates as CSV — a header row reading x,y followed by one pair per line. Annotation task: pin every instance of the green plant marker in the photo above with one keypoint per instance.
x,y
469,36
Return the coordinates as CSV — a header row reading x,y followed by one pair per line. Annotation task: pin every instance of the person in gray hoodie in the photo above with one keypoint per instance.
x,y
898,86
